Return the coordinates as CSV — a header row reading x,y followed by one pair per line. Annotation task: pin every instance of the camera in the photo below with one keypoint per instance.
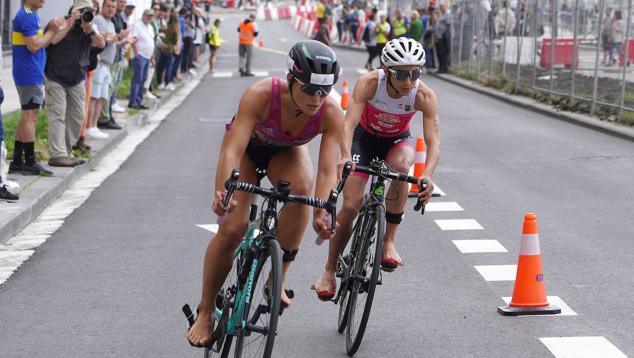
x,y
87,15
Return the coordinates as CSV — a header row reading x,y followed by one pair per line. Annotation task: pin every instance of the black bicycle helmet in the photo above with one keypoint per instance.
x,y
312,62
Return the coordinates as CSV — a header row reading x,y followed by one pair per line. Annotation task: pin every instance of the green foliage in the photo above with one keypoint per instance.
x,y
124,88
11,120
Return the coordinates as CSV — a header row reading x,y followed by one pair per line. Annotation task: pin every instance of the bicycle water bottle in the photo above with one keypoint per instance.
x,y
319,240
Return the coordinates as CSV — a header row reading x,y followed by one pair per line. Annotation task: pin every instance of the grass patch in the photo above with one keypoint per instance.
x,y
124,88
11,120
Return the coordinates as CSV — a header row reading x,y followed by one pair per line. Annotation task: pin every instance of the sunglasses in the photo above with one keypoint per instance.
x,y
311,89
401,75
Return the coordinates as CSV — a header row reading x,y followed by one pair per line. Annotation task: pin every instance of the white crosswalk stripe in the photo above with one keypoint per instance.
x,y
582,347
497,272
458,224
478,246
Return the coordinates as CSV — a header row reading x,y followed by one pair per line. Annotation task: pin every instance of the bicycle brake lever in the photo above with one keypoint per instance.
x,y
230,187
347,168
420,206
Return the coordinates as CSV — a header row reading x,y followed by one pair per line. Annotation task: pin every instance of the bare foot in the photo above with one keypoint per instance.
x,y
390,253
326,286
286,302
200,333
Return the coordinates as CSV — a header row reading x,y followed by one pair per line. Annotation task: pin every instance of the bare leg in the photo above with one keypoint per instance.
x,y
293,217
219,257
401,159
25,131
352,197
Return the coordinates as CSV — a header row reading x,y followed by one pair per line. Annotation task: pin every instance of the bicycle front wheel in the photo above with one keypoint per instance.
x,y
345,268
259,318
366,273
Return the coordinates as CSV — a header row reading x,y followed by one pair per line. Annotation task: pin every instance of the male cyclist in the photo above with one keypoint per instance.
x,y
377,126
275,120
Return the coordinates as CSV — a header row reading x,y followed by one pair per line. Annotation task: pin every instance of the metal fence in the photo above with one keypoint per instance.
x,y
566,51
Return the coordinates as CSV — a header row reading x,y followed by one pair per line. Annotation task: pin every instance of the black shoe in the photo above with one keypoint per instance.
x,y
111,124
241,73
248,74
15,167
141,106
134,106
6,194
35,169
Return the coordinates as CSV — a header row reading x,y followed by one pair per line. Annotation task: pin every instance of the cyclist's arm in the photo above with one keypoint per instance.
x,y
427,103
363,91
235,140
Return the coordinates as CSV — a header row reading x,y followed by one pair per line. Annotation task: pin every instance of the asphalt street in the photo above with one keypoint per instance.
x,y
111,281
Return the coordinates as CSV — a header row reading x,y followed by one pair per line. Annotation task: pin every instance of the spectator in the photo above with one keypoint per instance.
x,y
323,33
443,38
214,43
169,50
339,20
102,76
128,11
382,33
106,120
248,30
188,43
428,38
400,24
606,35
156,23
352,20
505,21
416,26
67,61
369,34
29,59
143,50
179,52
618,36
321,12
5,194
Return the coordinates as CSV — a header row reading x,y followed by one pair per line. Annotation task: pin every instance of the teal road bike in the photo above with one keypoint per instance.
x,y
248,305
359,269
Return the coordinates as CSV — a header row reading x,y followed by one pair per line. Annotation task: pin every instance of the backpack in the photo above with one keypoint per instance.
x,y
366,33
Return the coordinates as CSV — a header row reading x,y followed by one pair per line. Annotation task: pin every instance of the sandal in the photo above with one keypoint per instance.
x,y
326,295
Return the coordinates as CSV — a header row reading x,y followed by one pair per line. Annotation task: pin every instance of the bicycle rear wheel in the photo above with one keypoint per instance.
x,y
346,265
366,273
260,315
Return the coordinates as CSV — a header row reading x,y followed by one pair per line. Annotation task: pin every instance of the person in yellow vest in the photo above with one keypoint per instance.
x,y
213,39
400,24
248,30
382,31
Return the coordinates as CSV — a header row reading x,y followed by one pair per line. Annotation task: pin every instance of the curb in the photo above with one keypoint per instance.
x,y
49,192
348,47
583,120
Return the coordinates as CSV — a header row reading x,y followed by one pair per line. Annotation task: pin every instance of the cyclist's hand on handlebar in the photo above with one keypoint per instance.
x,y
322,224
341,164
217,205
424,196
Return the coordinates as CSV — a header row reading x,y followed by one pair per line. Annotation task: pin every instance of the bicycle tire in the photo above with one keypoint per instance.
x,y
271,256
371,260
342,321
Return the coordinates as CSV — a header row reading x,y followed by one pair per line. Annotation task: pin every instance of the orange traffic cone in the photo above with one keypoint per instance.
x,y
345,96
419,163
529,293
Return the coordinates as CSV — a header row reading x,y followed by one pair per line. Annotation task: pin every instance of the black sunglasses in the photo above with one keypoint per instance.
x,y
311,89
401,75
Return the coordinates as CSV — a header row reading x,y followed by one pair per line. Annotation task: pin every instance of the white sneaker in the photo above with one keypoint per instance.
x,y
150,96
170,87
192,72
161,87
95,133
116,108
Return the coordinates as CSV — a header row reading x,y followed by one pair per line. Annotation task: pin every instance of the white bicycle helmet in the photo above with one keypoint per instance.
x,y
403,52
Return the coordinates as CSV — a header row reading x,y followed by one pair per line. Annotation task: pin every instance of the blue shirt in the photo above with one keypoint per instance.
x,y
28,68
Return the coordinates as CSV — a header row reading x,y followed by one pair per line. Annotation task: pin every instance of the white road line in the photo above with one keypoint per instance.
x,y
497,272
438,191
478,246
443,206
222,74
362,71
553,300
209,227
582,347
20,247
261,73
458,224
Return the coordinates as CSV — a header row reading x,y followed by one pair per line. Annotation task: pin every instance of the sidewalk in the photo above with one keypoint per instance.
x,y
11,101
37,192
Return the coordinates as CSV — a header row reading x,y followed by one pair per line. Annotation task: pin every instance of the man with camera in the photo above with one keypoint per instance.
x,y
29,58
67,61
